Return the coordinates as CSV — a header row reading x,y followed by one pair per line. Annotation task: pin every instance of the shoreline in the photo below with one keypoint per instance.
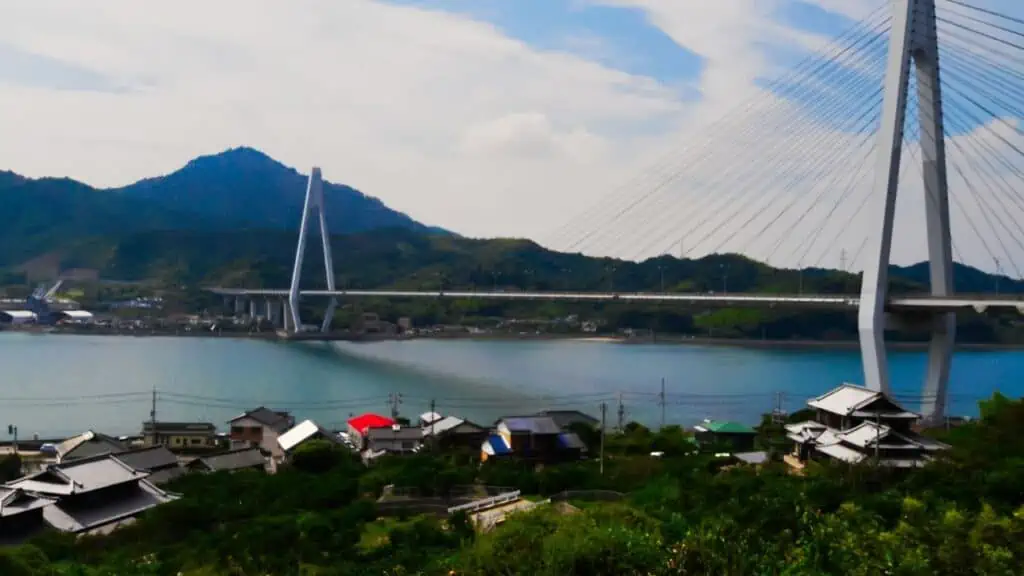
x,y
667,339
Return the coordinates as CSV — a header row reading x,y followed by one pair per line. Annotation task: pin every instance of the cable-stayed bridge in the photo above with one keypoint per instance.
x,y
907,122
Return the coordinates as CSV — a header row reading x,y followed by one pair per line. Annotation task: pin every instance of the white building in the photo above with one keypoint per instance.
x,y
304,432
17,317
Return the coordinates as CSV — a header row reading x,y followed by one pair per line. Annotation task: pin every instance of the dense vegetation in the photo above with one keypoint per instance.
x,y
411,260
684,514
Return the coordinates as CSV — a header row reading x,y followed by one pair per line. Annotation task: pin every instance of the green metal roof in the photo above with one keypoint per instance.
x,y
727,428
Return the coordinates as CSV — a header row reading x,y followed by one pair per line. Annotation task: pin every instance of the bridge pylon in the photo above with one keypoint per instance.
x,y
913,46
314,201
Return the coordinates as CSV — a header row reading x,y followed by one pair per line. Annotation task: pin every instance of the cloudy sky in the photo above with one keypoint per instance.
x,y
488,117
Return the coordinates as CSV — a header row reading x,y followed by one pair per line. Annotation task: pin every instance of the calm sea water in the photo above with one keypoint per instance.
x,y
60,384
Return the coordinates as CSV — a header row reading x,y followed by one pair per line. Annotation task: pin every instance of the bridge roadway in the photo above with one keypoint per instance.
x,y
908,303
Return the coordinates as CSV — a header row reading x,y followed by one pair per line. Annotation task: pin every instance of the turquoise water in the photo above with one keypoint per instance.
x,y
60,384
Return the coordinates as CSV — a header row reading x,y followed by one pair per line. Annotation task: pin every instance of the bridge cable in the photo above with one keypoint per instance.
x,y
733,117
755,175
825,156
986,11
644,197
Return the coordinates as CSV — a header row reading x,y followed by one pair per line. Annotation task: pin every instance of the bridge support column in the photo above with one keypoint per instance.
x,y
239,306
314,201
252,309
913,44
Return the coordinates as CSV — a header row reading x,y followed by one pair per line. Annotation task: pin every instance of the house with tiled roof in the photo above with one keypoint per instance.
x,y
261,427
358,426
738,437
92,495
856,425
533,437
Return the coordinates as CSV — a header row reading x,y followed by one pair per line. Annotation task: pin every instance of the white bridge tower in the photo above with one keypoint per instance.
x,y
314,201
913,46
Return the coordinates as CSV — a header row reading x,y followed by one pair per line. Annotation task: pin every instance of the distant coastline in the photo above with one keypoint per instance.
x,y
658,339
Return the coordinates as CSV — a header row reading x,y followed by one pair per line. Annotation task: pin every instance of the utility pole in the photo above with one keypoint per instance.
x,y
878,437
152,418
842,259
432,418
999,272
622,414
394,399
661,402
604,409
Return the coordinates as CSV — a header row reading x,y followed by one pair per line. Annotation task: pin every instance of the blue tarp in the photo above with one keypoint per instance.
x,y
498,444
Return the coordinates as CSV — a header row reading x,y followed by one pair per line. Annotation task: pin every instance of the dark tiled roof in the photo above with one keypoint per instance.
x,y
165,475
180,427
267,417
149,459
566,418
234,460
531,424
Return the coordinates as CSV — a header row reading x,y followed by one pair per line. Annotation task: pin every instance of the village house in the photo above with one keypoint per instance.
x,y
395,439
261,427
452,433
93,495
533,438
359,426
731,435
180,435
854,424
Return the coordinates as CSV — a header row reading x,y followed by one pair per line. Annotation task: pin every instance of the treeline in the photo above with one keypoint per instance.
x,y
685,514
167,261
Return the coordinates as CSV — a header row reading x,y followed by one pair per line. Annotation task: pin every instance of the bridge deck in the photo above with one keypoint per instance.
x,y
738,300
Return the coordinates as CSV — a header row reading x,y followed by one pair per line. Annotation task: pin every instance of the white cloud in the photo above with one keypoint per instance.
x,y
440,116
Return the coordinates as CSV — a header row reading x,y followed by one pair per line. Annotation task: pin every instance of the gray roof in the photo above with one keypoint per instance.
x,y
88,444
180,427
267,417
14,501
566,418
531,424
403,433
149,459
79,476
73,516
233,460
165,475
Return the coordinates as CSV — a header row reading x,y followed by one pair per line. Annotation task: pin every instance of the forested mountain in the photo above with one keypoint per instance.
x,y
237,189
